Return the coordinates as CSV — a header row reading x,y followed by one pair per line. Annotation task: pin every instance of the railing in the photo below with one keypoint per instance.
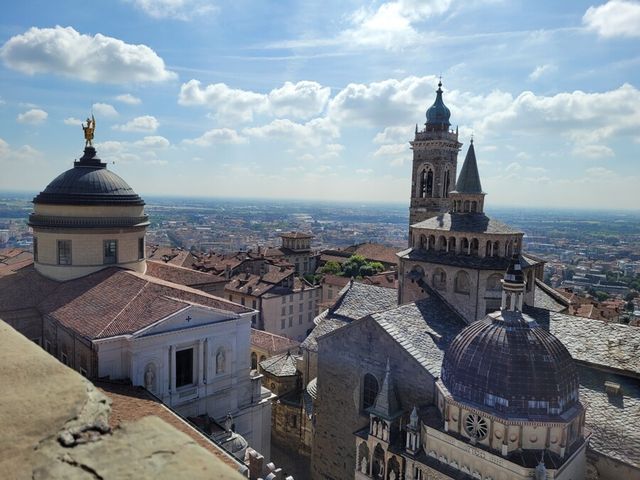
x,y
36,220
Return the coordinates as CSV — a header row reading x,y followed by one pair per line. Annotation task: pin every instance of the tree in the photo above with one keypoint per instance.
x,y
351,268
601,296
331,267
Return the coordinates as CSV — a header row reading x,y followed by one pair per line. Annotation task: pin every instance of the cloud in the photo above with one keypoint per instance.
x,y
35,116
392,24
392,149
128,99
616,18
215,136
541,70
303,100
145,123
175,9
364,171
394,135
24,154
312,133
72,121
104,110
592,151
98,58
154,141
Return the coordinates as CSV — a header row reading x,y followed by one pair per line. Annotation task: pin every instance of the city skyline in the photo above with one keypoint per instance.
x,y
279,100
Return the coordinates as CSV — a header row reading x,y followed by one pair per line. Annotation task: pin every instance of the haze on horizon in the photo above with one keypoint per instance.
x,y
281,99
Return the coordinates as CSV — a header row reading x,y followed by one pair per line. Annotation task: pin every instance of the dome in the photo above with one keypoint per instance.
x,y
438,113
508,363
88,183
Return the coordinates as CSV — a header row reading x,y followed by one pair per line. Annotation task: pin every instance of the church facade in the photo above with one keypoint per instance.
x,y
476,373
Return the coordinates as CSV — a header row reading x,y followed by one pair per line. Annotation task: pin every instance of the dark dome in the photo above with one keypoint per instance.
x,y
438,113
509,364
88,183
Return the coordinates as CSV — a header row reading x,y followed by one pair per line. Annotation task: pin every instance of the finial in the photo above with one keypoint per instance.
x,y
471,137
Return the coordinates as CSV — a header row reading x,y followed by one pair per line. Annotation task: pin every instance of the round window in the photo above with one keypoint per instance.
x,y
476,426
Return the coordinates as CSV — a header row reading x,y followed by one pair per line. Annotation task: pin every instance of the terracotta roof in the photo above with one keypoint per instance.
x,y
174,256
331,279
383,279
375,252
272,343
110,302
130,403
13,259
181,275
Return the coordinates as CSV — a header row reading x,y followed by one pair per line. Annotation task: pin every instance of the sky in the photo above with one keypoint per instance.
x,y
319,99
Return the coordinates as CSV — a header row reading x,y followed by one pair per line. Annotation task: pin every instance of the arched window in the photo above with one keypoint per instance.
x,y
452,244
446,184
393,466
494,283
423,242
423,184
377,465
462,283
467,205
439,279
442,243
487,250
509,248
429,191
465,246
363,458
496,249
254,361
370,390
221,360
432,242
474,206
262,358
474,247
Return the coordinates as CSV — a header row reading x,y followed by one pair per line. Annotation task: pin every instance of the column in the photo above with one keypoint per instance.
x,y
205,353
201,361
172,369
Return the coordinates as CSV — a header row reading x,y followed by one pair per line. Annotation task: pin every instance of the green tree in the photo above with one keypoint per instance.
x,y
351,268
601,296
331,267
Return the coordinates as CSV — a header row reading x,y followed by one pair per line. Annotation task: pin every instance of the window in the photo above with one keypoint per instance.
x,y
301,295
64,252
310,316
282,323
253,304
447,183
254,361
284,299
462,282
300,307
291,297
35,249
310,304
290,321
439,279
300,319
141,248
284,311
476,426
242,301
290,309
231,298
184,367
369,391
330,294
110,252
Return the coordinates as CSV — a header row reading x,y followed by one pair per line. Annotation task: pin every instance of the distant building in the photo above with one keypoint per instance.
x,y
295,250
265,345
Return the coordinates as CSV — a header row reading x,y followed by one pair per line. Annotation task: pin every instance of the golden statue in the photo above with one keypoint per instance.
x,y
88,131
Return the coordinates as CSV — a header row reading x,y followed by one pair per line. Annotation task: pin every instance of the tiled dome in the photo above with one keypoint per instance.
x,y
438,113
88,183
509,364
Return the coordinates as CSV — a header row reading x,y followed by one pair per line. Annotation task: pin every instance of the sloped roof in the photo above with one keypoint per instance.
x,y
271,342
283,365
464,223
469,178
181,275
360,299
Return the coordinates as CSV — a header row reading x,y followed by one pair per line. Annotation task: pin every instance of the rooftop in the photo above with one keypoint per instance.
x,y
271,342
465,223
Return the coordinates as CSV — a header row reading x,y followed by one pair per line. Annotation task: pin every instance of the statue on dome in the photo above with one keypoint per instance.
x,y
89,129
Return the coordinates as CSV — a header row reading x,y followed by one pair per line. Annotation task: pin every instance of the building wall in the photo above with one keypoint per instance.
x,y
87,251
343,360
291,315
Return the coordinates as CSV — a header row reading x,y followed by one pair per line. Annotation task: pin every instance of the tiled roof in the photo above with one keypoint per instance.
x,y
110,302
463,223
248,284
460,260
337,280
271,342
181,275
607,345
174,256
375,252
283,365
613,419
296,235
130,403
324,325
384,279
544,298
360,299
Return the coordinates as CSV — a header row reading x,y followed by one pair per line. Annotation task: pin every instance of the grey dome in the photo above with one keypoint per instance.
x,y
438,114
88,183
509,364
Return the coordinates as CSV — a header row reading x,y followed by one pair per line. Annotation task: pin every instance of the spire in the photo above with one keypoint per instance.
x,y
413,418
386,404
469,179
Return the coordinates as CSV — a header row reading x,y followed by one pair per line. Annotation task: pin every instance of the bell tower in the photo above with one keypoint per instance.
x,y
435,159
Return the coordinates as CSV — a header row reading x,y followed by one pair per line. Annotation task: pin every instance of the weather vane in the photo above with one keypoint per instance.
x,y
88,131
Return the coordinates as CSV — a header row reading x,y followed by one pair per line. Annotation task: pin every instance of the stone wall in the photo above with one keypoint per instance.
x,y
343,360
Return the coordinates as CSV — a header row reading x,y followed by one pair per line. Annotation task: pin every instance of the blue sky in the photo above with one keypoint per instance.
x,y
318,100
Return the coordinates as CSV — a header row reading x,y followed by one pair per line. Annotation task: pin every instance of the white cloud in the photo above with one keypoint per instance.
x,y
394,135
592,151
616,18
392,149
175,9
541,70
300,100
312,133
128,99
392,24
35,116
98,58
104,110
76,122
145,124
217,135
154,141
24,154
364,171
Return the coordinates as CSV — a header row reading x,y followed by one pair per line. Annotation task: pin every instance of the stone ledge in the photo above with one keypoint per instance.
x,y
55,425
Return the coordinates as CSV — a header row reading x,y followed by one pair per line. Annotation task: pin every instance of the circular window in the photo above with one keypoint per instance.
x,y
476,426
